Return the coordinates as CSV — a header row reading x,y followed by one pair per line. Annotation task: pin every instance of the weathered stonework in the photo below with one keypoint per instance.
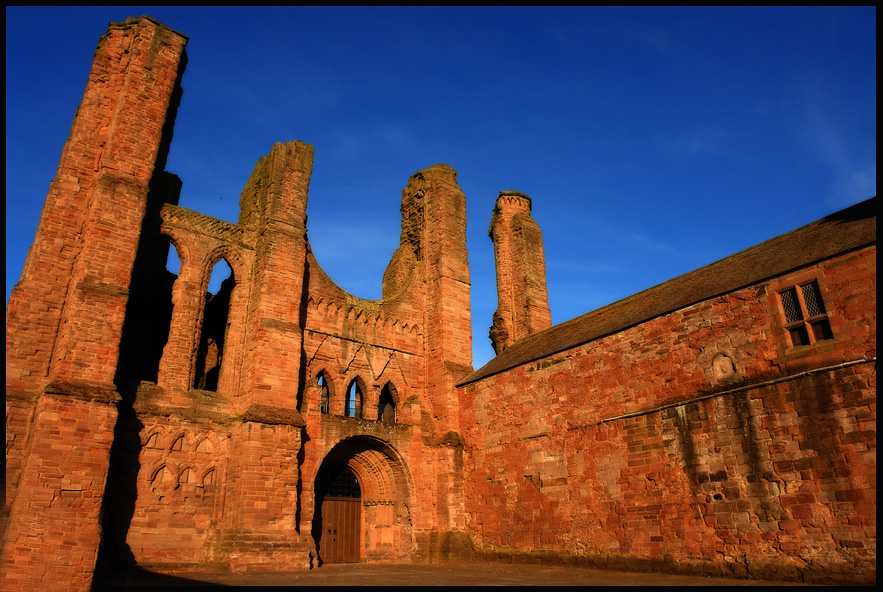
x,y
523,301
283,422
660,433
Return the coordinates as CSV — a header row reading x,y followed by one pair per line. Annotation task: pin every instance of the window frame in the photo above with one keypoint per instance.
x,y
806,330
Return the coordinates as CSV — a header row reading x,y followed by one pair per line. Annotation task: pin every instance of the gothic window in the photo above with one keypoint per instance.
x,y
353,400
324,394
209,356
386,406
149,310
805,316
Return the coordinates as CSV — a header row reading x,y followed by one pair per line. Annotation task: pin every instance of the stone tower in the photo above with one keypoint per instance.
x,y
65,317
523,301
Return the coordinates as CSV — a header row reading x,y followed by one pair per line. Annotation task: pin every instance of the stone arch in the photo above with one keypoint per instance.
x,y
230,254
385,529
209,477
388,404
180,441
337,382
187,475
355,397
207,444
219,324
156,439
180,244
324,389
164,474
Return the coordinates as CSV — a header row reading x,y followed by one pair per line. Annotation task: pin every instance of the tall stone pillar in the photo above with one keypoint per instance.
x,y
274,207
523,301
261,527
448,317
434,226
65,317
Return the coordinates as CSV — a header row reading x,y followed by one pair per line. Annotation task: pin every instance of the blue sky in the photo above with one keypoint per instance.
x,y
652,140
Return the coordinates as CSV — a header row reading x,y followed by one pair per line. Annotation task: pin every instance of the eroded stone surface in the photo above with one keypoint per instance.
x,y
151,423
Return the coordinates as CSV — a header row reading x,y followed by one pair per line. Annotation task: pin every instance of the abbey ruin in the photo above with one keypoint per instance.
x,y
723,422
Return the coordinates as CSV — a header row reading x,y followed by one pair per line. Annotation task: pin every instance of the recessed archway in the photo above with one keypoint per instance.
x,y
380,523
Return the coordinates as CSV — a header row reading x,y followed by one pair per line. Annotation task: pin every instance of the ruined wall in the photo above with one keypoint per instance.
x,y
65,317
226,472
392,349
699,440
184,427
176,427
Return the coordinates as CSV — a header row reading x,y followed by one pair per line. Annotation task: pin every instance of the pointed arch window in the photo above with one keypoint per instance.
x,y
216,312
386,406
353,400
324,394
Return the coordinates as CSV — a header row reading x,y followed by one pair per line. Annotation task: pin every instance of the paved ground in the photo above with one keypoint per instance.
x,y
473,574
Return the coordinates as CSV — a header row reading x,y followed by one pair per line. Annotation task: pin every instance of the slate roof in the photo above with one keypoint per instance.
x,y
849,229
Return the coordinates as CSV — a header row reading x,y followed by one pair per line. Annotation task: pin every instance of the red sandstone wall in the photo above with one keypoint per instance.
x,y
52,534
78,271
201,242
769,472
65,317
224,474
261,513
413,340
178,509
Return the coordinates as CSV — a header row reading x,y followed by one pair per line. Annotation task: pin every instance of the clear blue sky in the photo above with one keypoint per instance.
x,y
652,140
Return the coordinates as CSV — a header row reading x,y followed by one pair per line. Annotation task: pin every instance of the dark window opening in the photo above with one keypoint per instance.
x,y
344,484
799,336
386,406
806,318
821,330
149,310
209,356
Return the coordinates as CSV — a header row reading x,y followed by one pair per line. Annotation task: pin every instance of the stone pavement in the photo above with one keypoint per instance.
x,y
470,574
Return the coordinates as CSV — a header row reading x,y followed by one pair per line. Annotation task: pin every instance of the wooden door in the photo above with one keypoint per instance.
x,y
341,527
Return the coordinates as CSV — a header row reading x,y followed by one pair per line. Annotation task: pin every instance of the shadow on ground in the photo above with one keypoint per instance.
x,y
142,578
462,574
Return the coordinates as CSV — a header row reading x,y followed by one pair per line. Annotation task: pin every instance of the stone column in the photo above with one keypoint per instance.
x,y
523,301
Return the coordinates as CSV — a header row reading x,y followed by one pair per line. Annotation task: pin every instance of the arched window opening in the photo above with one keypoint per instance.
x,y
148,313
173,262
324,394
344,484
386,406
353,400
214,327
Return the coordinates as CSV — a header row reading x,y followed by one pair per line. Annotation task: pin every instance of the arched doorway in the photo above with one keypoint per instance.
x,y
362,503
341,517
